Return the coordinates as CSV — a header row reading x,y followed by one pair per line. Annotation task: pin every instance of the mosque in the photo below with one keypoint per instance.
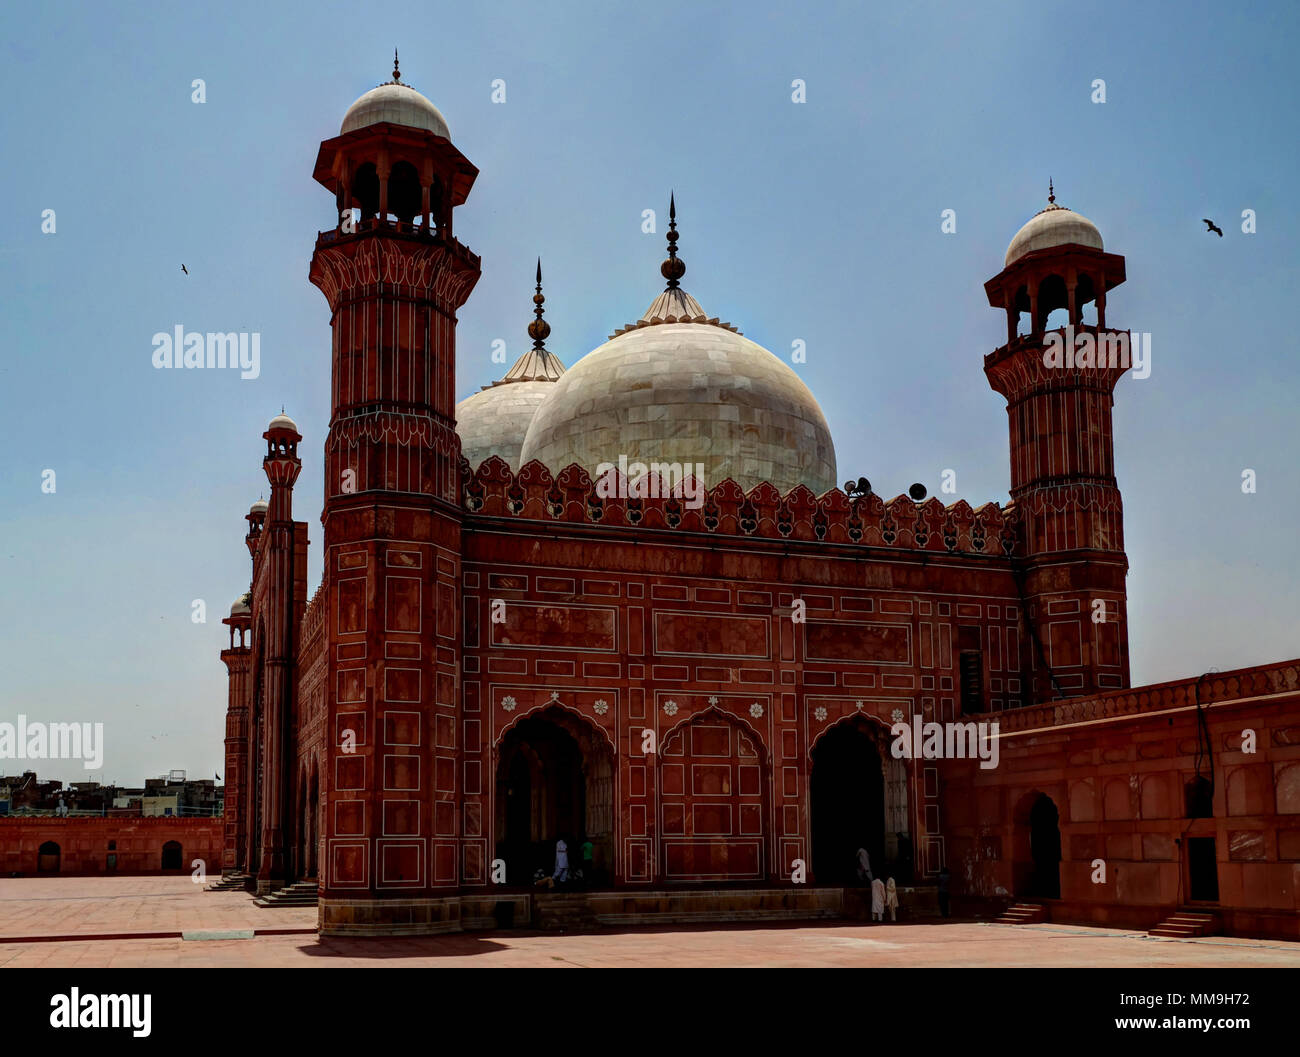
x,y
695,685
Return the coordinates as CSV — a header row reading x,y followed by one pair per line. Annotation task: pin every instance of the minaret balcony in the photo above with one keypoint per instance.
x,y
1104,339
400,229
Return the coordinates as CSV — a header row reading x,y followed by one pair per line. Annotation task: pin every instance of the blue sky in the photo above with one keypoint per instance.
x,y
818,222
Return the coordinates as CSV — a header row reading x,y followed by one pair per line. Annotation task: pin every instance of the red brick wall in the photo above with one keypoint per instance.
x,y
1116,768
637,632
84,844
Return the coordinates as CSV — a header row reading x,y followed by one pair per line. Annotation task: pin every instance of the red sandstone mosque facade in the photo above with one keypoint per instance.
x,y
502,652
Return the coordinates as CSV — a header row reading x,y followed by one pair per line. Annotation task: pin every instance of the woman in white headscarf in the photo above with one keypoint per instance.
x,y
891,899
877,900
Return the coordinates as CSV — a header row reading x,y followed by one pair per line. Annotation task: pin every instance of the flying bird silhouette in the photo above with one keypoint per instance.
x,y
1211,226
185,270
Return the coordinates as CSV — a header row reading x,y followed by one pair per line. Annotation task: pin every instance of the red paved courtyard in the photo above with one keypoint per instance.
x,y
90,910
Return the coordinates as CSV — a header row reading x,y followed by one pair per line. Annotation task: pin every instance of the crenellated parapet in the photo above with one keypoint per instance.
x,y
534,494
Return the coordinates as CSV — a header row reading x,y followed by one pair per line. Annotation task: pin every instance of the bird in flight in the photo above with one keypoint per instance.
x,y
1211,226
187,271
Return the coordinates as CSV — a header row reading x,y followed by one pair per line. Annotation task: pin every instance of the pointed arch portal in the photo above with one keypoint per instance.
x,y
858,799
554,778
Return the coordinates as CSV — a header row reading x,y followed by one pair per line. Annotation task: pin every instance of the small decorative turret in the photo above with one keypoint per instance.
x,y
256,518
282,464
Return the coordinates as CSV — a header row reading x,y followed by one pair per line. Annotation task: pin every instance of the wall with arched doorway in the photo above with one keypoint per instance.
x,y
1157,809
136,845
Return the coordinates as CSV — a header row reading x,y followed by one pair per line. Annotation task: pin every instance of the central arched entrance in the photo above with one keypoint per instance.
x,y
847,803
554,780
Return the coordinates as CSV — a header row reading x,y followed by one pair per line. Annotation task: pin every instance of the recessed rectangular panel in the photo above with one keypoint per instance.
x,y
557,627
858,642
696,634
402,602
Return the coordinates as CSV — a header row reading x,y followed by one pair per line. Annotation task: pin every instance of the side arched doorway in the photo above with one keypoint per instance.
x,y
172,857
554,779
858,799
1037,863
48,858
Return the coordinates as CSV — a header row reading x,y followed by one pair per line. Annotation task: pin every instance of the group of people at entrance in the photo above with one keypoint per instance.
x,y
563,873
884,894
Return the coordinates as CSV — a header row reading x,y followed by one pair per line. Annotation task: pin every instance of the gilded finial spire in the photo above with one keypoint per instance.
x,y
1051,192
397,73
538,329
672,269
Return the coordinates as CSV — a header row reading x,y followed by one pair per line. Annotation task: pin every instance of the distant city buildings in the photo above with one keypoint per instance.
x,y
170,795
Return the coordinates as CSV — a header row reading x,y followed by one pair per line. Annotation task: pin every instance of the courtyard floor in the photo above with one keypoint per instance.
x,y
107,922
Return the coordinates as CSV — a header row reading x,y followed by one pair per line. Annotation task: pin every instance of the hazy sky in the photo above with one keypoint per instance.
x,y
817,222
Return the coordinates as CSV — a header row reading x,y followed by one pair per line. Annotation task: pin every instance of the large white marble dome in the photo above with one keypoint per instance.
x,y
675,387
689,393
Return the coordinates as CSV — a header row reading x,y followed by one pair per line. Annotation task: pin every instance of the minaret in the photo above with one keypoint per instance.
x,y
1063,487
394,281
278,559
256,518
237,660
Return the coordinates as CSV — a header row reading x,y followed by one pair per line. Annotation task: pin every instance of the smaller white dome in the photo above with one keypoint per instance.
x,y
1054,226
282,421
495,420
240,608
260,507
398,104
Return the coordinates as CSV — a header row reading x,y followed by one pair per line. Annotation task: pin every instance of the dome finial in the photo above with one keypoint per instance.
x,y
538,329
672,269
397,72
1051,192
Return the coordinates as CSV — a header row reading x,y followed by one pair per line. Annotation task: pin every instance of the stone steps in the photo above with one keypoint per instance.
x,y
299,894
567,913
1186,924
229,883
1023,914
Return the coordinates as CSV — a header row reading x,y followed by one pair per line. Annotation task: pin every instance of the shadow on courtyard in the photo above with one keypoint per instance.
x,y
473,944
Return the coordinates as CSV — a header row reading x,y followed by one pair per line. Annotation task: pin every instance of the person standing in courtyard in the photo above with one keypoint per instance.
x,y
891,899
877,900
588,862
864,866
561,862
